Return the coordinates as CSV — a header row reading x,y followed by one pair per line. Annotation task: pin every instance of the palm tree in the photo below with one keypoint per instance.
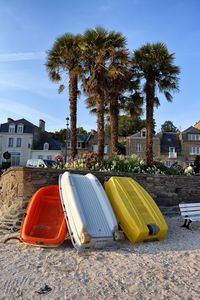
x,y
118,79
153,65
64,59
99,48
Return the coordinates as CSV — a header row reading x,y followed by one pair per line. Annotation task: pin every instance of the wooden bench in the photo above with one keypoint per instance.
x,y
190,212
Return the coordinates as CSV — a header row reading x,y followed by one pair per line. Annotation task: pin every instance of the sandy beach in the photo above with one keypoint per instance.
x,y
153,270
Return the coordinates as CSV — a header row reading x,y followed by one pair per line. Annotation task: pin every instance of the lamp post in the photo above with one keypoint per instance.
x,y
67,124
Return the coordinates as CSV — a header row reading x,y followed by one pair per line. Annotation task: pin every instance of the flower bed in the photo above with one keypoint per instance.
x,y
120,163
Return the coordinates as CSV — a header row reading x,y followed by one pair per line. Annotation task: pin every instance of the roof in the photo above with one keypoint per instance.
x,y
170,139
190,130
53,144
82,137
28,126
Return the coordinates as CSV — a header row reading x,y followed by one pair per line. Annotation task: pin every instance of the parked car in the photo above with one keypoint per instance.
x,y
41,163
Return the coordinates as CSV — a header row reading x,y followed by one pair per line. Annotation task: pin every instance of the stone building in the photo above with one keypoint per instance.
x,y
136,144
190,143
170,147
24,140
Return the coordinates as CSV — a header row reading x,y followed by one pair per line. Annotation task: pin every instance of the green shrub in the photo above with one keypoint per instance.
x,y
120,163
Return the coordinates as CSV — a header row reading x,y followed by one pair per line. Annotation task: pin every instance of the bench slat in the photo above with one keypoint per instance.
x,y
190,209
189,213
193,218
189,205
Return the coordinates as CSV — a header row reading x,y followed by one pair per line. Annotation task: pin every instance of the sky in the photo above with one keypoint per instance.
x,y
28,29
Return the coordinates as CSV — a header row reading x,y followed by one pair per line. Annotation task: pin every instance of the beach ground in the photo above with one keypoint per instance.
x,y
154,270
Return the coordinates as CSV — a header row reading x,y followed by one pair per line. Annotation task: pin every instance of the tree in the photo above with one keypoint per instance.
x,y
127,125
100,50
81,130
153,65
65,58
168,126
60,135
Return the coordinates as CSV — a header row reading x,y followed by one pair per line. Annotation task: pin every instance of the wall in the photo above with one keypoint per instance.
x,y
17,185
131,142
186,145
24,151
45,153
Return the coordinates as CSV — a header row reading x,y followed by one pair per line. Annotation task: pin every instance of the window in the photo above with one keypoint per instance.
x,y
15,160
138,147
40,156
79,145
46,146
49,157
193,137
94,148
194,150
19,142
143,133
12,128
106,149
20,128
172,149
10,142
168,163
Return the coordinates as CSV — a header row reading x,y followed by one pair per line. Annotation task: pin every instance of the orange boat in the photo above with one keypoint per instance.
x,y
44,223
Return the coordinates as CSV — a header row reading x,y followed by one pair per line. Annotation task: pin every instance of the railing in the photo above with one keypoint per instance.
x,y
172,154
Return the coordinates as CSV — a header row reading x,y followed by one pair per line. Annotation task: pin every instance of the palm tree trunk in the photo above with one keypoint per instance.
x,y
114,112
100,123
73,91
150,95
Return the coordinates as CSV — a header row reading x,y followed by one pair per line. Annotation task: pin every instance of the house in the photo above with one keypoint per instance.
x,y
89,142
190,143
24,140
136,144
170,148
81,146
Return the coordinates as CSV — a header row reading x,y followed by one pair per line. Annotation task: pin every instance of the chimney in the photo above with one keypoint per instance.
x,y
9,120
197,125
42,125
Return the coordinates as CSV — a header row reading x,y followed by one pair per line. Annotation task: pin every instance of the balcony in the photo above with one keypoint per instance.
x,y
172,155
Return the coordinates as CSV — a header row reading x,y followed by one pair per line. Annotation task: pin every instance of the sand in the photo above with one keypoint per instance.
x,y
154,270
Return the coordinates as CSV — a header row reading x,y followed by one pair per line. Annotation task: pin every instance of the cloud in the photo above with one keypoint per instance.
x,y
20,56
16,110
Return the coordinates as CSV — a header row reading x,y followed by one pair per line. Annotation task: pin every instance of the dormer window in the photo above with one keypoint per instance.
x,y
12,128
20,128
143,133
79,145
193,137
46,146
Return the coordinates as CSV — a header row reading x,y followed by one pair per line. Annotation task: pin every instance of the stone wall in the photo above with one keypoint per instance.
x,y
17,185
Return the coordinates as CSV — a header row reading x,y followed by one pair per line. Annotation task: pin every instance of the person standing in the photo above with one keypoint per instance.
x,y
197,164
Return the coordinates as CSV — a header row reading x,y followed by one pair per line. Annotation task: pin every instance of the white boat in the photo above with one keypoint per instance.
x,y
89,215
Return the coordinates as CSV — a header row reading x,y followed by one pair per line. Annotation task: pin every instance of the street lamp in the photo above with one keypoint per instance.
x,y
67,124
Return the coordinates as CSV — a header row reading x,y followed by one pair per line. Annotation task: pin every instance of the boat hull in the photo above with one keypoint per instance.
x,y
137,213
90,218
44,223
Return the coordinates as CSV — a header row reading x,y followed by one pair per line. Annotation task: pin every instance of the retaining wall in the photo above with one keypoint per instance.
x,y
17,185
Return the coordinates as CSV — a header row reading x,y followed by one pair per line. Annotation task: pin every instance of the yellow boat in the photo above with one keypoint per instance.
x,y
137,213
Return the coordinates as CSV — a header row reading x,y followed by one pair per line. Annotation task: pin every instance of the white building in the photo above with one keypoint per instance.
x,y
24,140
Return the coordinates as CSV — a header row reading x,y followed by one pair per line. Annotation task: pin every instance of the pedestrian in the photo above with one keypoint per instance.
x,y
197,164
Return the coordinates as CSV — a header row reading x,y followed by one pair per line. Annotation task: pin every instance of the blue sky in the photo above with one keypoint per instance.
x,y
28,29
